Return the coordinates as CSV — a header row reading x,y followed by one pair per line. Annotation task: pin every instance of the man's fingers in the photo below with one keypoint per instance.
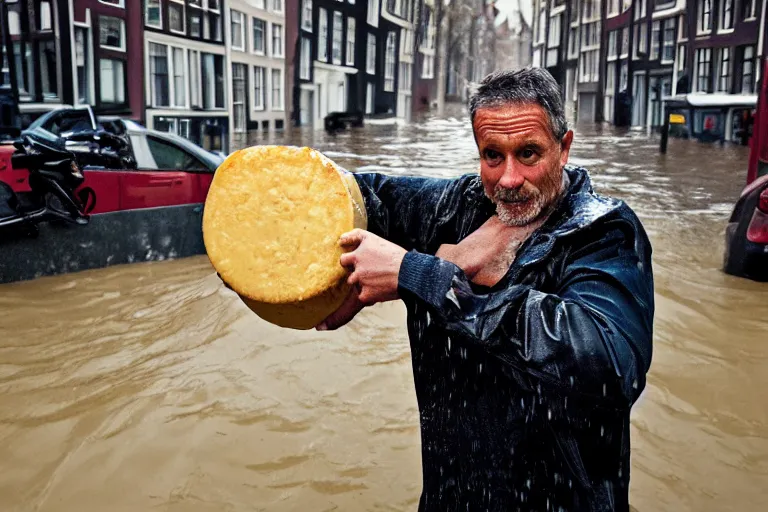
x,y
354,237
353,279
346,312
348,259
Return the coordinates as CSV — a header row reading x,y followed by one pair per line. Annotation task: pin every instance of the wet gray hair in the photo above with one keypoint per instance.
x,y
522,86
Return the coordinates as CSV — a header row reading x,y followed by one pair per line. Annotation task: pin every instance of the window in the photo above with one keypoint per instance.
x,y
373,12
624,53
389,63
194,78
158,72
277,89
573,42
612,49
195,24
641,9
350,41
277,40
428,67
322,35
259,36
748,9
238,30
369,100
681,58
82,62
306,59
112,81
682,23
179,79
260,4
306,15
370,55
116,3
238,96
703,61
542,27
259,76
152,14
176,16
212,74
655,40
553,40
170,156
46,20
405,81
748,70
704,17
589,63
613,7
668,44
337,37
641,40
277,5
112,33
726,14
724,70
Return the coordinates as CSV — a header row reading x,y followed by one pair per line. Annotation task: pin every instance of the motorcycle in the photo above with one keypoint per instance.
x,y
53,178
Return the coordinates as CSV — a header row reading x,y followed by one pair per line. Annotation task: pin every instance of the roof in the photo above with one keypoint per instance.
x,y
713,100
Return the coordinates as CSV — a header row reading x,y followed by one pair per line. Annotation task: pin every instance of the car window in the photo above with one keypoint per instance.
x,y
69,122
169,156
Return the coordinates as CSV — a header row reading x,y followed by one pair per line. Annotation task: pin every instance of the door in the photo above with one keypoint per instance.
x,y
306,107
638,99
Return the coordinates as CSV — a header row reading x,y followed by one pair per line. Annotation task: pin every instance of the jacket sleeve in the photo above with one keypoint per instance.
x,y
413,212
590,336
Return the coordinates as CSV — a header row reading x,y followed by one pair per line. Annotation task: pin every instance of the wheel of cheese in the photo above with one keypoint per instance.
x,y
271,226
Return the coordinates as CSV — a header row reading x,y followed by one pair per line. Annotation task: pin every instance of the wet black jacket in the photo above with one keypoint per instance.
x,y
524,388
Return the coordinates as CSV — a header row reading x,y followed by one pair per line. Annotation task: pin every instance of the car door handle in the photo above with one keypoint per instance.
x,y
160,182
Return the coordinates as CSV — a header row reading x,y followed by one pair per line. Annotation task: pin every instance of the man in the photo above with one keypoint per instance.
x,y
530,310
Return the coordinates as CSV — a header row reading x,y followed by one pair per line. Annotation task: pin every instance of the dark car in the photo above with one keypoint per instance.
x,y
746,236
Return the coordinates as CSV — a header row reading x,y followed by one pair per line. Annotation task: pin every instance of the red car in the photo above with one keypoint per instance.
x,y
145,205
746,236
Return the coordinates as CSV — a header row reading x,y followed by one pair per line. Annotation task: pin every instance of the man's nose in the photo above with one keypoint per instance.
x,y
512,178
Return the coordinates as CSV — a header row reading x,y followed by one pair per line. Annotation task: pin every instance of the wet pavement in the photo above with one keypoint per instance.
x,y
151,387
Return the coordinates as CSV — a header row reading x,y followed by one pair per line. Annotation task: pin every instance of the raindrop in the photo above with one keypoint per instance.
x,y
434,387
453,374
619,472
549,414
449,344
570,483
538,388
602,431
528,483
429,319
634,384
547,503
571,380
441,470
465,403
639,265
605,389
480,366
565,403
522,402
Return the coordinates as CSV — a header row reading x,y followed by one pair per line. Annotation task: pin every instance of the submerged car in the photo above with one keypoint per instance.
x,y
746,236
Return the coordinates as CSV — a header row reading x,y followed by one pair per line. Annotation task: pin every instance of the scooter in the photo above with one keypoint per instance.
x,y
53,178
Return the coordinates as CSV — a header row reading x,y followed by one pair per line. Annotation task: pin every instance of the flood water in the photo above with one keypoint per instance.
x,y
151,387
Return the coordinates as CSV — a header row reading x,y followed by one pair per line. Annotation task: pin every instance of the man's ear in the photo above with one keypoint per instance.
x,y
565,147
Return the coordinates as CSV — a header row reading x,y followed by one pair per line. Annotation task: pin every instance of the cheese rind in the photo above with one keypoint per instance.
x,y
271,225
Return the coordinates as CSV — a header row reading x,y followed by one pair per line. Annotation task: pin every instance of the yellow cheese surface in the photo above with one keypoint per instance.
x,y
271,225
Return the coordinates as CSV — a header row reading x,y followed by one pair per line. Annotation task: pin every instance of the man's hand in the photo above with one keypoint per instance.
x,y
375,265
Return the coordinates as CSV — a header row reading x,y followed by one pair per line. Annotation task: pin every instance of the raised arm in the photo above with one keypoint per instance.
x,y
592,333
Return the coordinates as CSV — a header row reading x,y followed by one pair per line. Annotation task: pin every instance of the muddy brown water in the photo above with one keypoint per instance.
x,y
151,387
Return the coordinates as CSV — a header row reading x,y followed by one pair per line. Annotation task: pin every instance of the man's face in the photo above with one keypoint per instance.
x,y
520,161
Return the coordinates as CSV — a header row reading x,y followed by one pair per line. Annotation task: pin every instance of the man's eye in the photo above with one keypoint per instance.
x,y
528,155
492,155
